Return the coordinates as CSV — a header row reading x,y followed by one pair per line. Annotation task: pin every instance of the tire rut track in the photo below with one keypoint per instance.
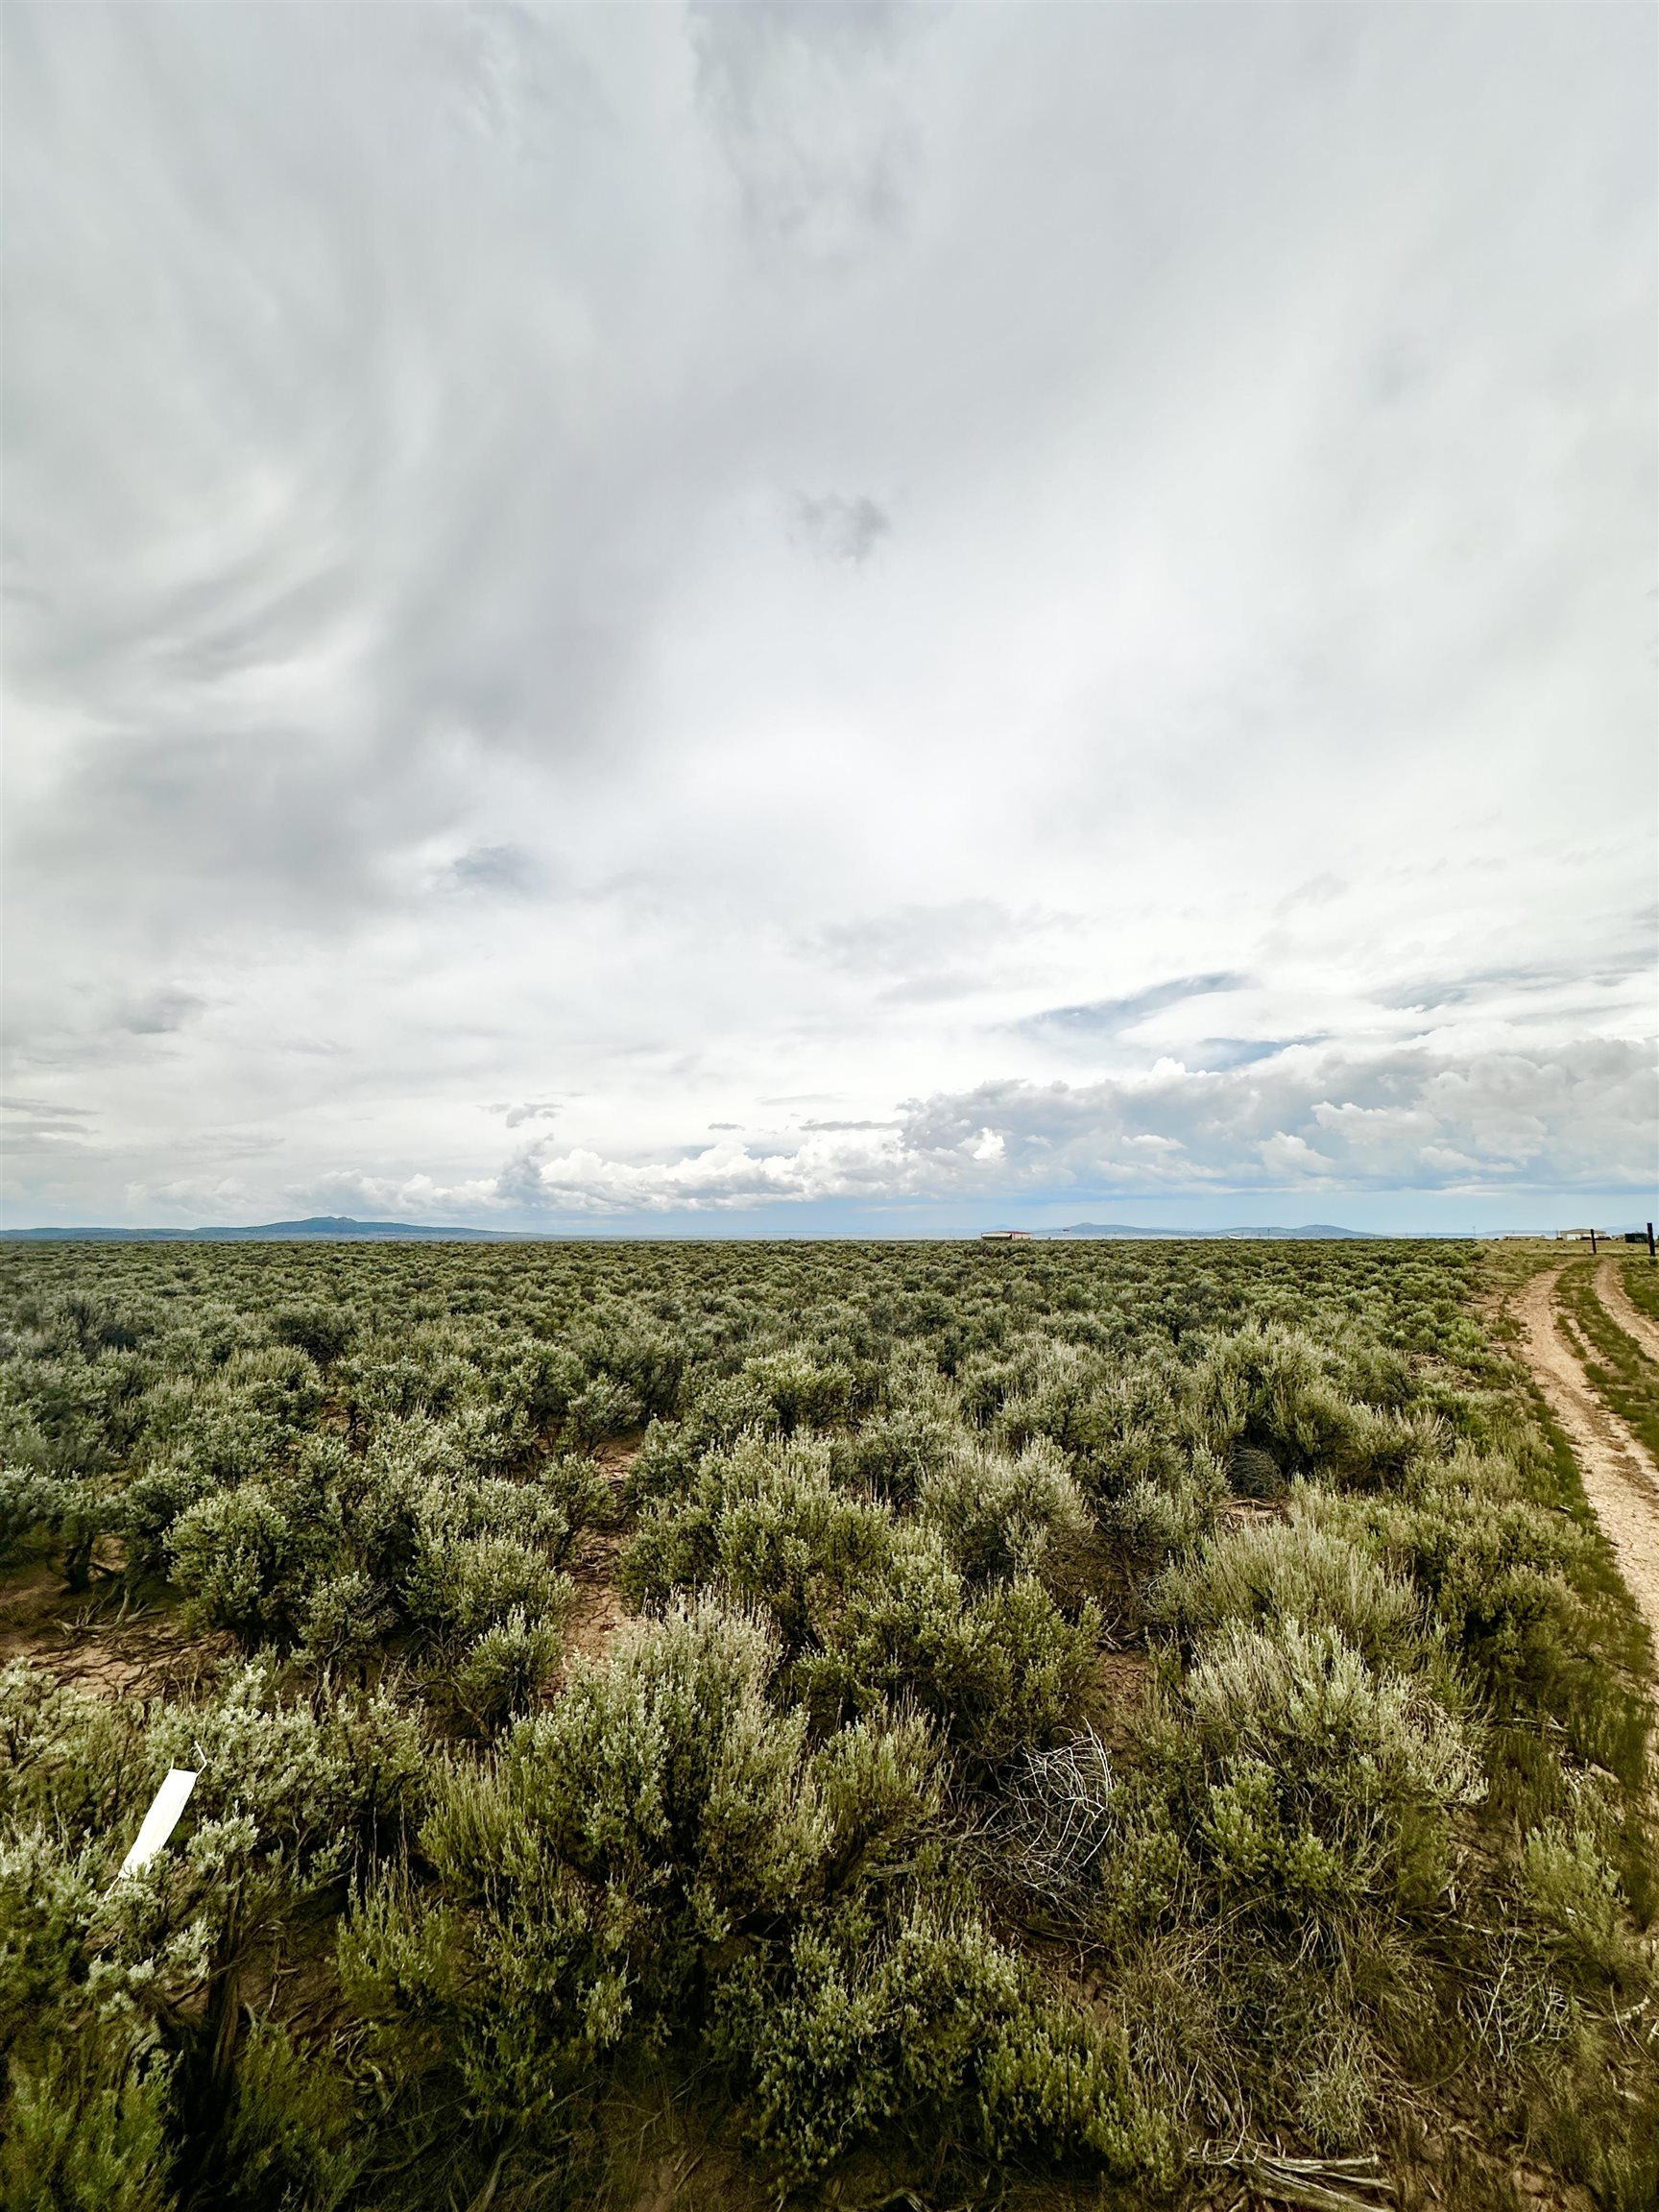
x,y
1609,1281
1619,1480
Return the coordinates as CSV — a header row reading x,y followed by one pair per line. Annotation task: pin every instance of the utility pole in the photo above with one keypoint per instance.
x,y
1650,1250
1592,1243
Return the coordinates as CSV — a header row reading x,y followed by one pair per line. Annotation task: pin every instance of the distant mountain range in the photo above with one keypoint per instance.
x,y
340,1228
337,1228
1123,1228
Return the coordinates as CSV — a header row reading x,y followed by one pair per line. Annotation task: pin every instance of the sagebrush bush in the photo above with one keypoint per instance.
x,y
1296,1568
997,1669
898,1448
1327,1779
1149,1522
588,1875
765,1520
1331,1408
1575,1893
65,1756
241,1561
337,1778
1001,1516
874,1607
87,2125
119,2023
291,2140
323,1331
501,1671
802,1390
30,1501
1516,1589
868,2030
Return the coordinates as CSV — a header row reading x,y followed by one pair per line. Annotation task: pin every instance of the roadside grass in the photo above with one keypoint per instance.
x,y
1615,1363
1641,1280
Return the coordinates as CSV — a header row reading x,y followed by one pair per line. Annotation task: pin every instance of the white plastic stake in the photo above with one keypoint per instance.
x,y
161,1819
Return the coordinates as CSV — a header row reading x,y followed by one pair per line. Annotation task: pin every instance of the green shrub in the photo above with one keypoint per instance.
x,y
1329,1408
345,1620
500,1672
333,1779
1150,1520
240,1560
32,1503
766,1522
620,1840
997,1670
290,2142
464,1584
931,2030
1296,1568
46,1900
322,1331
570,1486
896,1450
65,1756
802,1391
85,2126
152,1503
872,1609
1511,1586
649,1364
1575,1895
1001,1517
881,1786
118,2017
724,1409
1327,1781
604,1408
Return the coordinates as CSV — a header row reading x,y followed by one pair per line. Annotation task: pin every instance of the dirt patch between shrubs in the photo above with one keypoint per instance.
x,y
1619,1480
1123,1684
85,1647
599,1611
1609,1281
1240,1511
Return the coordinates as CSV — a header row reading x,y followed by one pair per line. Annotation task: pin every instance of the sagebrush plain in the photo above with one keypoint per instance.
x,y
857,1724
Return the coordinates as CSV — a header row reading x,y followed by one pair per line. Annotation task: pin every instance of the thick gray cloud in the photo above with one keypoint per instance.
x,y
529,1109
502,868
838,528
1314,1122
1110,1017
809,109
729,569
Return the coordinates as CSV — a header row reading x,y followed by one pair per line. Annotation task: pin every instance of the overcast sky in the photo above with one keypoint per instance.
x,y
795,617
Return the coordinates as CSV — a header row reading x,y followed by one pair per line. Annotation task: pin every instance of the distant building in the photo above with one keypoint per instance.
x,y
1004,1236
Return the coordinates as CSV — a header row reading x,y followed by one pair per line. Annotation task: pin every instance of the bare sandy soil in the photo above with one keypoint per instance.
x,y
1619,1480
597,1615
1610,1289
599,1611
85,1647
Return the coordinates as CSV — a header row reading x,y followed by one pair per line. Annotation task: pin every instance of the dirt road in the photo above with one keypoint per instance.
x,y
1619,1480
1610,1289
